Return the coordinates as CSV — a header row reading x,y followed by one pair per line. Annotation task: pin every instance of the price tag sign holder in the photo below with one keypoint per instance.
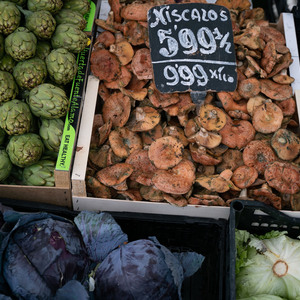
x,y
192,48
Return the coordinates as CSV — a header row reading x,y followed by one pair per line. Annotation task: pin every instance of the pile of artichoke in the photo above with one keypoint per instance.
x,y
38,43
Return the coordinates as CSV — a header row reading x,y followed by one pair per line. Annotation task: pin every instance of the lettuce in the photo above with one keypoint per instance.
x,y
268,264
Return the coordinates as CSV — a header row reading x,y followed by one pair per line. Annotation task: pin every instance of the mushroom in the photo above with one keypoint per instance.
x,y
121,81
151,135
97,123
166,152
105,38
117,109
267,118
256,68
123,141
115,176
207,200
205,170
123,50
143,119
176,132
287,106
249,87
192,126
237,133
136,11
178,180
138,95
269,57
234,4
269,33
258,154
283,63
244,176
105,65
98,157
254,102
229,104
135,33
143,169
219,183
112,158
141,64
199,154
103,91
206,138
132,194
176,200
295,201
250,38
231,159
283,79
152,194
286,144
276,91
218,151
211,117
96,188
238,114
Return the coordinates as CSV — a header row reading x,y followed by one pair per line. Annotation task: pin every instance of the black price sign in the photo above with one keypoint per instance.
x,y
192,48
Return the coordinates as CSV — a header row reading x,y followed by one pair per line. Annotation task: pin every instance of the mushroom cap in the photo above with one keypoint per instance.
x,y
258,154
254,102
199,154
283,79
178,180
286,144
121,81
231,159
176,200
267,117
244,176
276,91
106,38
206,138
283,176
212,118
141,64
104,132
151,193
117,109
283,63
192,126
287,106
176,132
237,133
132,194
153,134
249,87
98,157
143,119
143,169
123,50
123,141
166,152
96,188
114,175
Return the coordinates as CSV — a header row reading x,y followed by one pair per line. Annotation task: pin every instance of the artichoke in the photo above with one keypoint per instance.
x,y
51,132
43,49
61,65
51,5
10,17
21,44
69,16
7,63
25,149
8,87
41,23
2,136
15,117
81,6
40,173
70,37
30,73
5,165
48,101
18,2
1,46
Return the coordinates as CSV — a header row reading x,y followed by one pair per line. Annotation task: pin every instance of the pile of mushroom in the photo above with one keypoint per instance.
x,y
149,146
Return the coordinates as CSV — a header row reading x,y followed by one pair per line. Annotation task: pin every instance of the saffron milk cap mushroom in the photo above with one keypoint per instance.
x,y
211,117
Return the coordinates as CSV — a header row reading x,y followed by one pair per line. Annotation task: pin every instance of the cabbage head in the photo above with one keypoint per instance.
x,y
268,264
142,270
41,254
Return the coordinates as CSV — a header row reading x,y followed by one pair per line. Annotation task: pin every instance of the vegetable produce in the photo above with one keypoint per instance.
x,y
70,16
267,264
21,44
48,101
10,17
41,254
7,63
25,149
15,117
1,46
81,6
40,173
8,87
5,165
30,73
53,5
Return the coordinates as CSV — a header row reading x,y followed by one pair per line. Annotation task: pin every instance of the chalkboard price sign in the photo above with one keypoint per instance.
x,y
192,48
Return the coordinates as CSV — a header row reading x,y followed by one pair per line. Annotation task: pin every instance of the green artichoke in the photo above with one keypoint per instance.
x,y
43,49
25,149
51,5
51,132
8,87
30,73
18,2
21,44
61,65
15,117
81,6
40,174
1,46
69,16
5,165
70,37
2,136
10,17
41,23
7,63
48,101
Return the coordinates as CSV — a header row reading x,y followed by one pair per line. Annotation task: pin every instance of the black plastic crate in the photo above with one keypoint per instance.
x,y
256,218
178,233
